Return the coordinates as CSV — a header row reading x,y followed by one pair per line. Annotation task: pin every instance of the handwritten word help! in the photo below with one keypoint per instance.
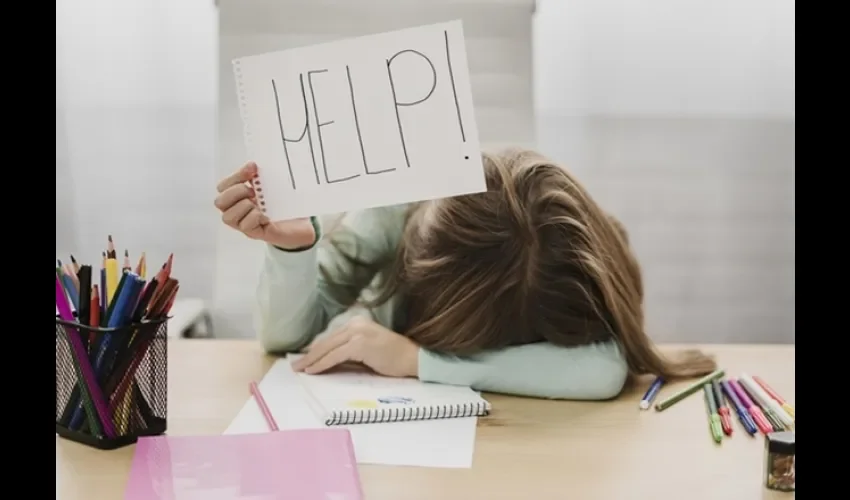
x,y
389,116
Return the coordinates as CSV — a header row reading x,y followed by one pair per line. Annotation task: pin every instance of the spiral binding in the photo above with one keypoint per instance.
x,y
246,130
405,413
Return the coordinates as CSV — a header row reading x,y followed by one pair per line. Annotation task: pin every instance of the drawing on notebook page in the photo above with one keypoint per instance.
x,y
361,398
370,121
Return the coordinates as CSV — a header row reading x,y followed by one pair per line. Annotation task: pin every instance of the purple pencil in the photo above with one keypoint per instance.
x,y
82,361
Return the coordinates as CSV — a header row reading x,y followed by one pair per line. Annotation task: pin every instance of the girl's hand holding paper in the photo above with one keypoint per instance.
x,y
362,340
237,202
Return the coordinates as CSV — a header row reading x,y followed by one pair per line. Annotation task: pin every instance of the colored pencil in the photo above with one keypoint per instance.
x,y
264,408
140,267
74,265
104,300
667,403
775,395
94,315
127,268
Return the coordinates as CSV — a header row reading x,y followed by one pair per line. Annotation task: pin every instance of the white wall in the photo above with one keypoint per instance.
x,y
679,116
135,122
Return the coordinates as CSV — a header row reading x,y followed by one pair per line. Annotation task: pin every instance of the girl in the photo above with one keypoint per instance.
x,y
527,289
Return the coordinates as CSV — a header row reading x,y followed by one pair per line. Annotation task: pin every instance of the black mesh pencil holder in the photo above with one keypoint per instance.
x,y
111,383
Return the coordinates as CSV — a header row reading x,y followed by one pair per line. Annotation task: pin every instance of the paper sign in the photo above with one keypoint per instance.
x,y
365,122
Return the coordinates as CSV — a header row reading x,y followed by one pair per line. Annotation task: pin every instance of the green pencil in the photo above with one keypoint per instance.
x,y
675,398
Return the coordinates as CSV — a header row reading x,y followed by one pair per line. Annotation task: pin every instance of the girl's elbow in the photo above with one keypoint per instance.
x,y
604,382
274,337
608,385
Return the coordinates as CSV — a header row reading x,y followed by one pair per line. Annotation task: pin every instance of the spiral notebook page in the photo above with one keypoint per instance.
x,y
358,394
445,443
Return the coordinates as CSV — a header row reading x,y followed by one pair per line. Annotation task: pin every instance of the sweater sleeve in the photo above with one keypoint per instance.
x,y
293,301
544,370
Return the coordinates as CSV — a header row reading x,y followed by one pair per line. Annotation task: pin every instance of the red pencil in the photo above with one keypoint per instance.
x,y
258,397
94,313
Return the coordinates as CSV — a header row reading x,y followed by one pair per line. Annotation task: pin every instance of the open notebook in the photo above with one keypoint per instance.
x,y
310,464
344,398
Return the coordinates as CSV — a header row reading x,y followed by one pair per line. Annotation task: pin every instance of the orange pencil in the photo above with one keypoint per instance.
x,y
161,277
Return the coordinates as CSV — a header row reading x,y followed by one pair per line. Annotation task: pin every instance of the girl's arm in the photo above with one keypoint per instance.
x,y
294,302
543,370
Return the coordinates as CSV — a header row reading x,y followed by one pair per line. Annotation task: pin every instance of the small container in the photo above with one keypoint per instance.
x,y
780,458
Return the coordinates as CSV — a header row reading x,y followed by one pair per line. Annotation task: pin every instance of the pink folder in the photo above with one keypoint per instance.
x,y
308,464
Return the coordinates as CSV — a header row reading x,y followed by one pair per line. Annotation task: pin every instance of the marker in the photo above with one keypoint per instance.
x,y
713,417
775,415
758,417
675,398
722,409
647,399
744,417
775,395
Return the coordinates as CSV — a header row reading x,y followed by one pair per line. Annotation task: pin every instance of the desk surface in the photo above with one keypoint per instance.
x,y
526,449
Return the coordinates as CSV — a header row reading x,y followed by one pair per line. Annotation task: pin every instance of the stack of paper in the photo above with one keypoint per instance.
x,y
448,443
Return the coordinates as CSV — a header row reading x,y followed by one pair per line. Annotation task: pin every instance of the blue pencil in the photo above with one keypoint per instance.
x,y
68,285
646,400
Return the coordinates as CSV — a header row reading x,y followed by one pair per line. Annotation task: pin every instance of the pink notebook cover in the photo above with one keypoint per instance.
x,y
310,464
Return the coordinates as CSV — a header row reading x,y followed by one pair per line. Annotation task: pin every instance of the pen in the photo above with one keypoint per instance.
x,y
711,409
775,395
744,417
758,417
647,399
778,419
675,398
722,409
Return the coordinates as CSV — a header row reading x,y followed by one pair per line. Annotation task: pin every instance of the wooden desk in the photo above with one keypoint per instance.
x,y
527,449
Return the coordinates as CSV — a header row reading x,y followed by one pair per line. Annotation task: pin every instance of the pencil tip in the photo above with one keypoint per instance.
x,y
59,262
109,238
73,259
126,253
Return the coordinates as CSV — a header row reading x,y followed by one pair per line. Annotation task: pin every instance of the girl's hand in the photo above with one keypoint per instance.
x,y
362,340
238,205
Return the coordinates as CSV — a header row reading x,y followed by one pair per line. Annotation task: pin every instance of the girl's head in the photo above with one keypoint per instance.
x,y
532,259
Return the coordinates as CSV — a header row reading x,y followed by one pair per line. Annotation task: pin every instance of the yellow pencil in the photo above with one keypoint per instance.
x,y
112,274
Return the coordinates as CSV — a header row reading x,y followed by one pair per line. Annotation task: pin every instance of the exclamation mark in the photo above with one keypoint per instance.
x,y
454,89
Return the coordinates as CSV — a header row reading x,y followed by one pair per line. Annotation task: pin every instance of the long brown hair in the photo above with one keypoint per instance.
x,y
533,259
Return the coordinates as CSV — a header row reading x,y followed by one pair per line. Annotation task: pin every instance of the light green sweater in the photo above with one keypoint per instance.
x,y
294,307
